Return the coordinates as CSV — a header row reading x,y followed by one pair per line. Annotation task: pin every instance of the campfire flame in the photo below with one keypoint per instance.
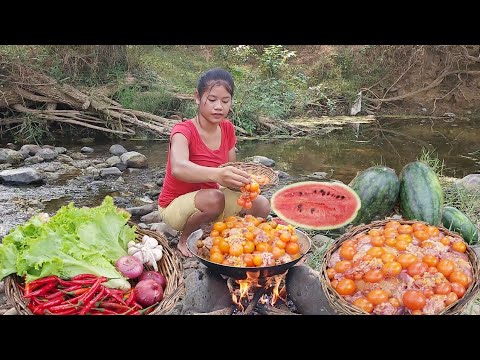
x,y
246,289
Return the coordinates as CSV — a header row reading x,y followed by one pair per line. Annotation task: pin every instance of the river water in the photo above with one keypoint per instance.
x,y
347,151
341,153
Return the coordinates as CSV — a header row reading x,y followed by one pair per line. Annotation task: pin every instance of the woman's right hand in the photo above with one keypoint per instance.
x,y
230,176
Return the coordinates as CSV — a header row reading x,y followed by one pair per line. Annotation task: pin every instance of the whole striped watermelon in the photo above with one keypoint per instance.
x,y
421,196
454,220
378,188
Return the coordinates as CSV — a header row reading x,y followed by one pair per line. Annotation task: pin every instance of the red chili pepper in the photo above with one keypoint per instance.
x,y
42,291
35,284
113,306
68,283
62,307
41,308
131,298
116,294
101,311
88,305
71,311
84,276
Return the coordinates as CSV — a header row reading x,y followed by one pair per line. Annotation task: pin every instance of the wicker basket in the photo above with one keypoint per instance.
x,y
170,266
256,169
343,307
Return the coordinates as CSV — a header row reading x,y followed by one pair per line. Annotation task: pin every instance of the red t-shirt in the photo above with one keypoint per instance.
x,y
199,154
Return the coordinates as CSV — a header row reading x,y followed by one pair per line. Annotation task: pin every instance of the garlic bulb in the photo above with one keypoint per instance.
x,y
149,251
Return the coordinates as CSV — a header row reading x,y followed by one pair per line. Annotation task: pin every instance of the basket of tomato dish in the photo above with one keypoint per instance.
x,y
395,267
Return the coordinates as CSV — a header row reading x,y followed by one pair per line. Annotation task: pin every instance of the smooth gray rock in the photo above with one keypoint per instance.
x,y
21,176
9,156
86,149
47,154
305,290
206,292
134,159
113,171
153,217
117,150
142,210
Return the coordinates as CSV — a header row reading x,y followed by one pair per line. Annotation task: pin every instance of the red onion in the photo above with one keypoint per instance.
x,y
129,266
156,276
148,292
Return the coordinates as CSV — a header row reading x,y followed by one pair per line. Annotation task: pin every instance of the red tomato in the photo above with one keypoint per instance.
x,y
363,304
346,287
414,300
458,289
417,268
446,267
377,296
373,276
392,268
451,298
459,277
443,288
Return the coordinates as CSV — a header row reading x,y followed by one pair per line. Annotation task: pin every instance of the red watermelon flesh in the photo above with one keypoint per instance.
x,y
316,205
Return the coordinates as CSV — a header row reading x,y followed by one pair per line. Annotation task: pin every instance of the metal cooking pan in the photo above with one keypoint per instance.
x,y
242,273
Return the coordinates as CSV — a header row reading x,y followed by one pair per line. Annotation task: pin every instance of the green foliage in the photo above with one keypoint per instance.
x,y
274,58
432,160
156,101
32,131
271,97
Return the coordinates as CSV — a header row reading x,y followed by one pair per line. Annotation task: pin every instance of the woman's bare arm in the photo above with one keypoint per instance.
x,y
185,170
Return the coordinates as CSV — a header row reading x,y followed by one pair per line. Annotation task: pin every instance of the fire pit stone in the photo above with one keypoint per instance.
x,y
305,290
206,291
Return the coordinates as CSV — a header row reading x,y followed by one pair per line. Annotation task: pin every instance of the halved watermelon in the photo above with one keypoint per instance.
x,y
316,205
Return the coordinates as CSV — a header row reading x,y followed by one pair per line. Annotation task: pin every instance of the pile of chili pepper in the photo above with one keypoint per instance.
x,y
83,294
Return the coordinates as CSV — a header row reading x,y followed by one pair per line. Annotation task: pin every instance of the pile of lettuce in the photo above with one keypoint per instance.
x,y
73,241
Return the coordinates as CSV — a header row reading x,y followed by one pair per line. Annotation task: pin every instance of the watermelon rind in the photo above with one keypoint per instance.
x,y
378,188
454,220
421,196
297,222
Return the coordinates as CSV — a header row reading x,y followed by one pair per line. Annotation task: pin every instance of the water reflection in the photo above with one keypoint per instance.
x,y
394,144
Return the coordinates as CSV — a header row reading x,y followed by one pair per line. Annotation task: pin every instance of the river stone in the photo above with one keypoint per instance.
x,y
117,150
113,171
206,292
160,181
262,160
282,174
33,160
8,156
134,159
86,149
153,217
47,154
24,175
78,156
142,210
60,150
5,166
163,229
470,182
305,291
64,159
30,149
113,160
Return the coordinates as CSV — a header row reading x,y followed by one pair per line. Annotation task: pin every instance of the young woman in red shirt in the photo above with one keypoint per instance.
x,y
194,190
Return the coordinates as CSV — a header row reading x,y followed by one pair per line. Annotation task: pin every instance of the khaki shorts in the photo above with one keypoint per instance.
x,y
179,210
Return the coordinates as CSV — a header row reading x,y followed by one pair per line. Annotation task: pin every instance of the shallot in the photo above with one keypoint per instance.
x,y
129,266
156,276
148,292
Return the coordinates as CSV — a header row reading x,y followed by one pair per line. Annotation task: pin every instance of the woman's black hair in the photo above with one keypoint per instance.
x,y
215,76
